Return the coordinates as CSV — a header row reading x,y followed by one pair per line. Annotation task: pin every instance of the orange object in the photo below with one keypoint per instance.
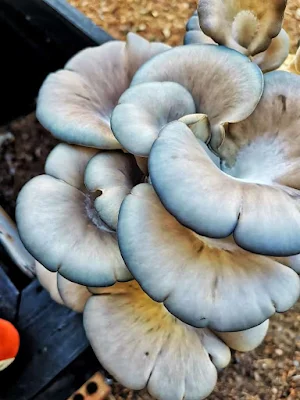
x,y
9,343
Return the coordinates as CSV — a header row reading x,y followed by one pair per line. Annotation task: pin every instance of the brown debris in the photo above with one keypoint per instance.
x,y
162,20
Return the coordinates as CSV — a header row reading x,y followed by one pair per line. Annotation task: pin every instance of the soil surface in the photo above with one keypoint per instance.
x,y
162,20
271,372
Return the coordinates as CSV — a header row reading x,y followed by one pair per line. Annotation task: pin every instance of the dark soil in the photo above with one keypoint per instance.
x,y
25,146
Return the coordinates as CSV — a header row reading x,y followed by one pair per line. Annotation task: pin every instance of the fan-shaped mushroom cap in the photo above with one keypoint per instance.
x,y
203,71
276,53
75,103
202,281
142,345
247,26
60,226
10,240
245,340
144,109
262,158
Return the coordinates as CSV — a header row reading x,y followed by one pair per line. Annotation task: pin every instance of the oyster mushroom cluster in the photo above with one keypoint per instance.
x,y
170,213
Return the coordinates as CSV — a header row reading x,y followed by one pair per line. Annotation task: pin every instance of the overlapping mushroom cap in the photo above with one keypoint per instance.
x,y
270,59
202,281
172,359
183,81
75,103
247,26
66,225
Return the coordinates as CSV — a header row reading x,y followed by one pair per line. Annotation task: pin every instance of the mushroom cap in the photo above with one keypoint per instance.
x,y
265,148
173,360
144,109
62,290
119,173
203,70
60,227
75,103
194,34
215,204
202,281
73,295
246,340
48,280
276,53
247,26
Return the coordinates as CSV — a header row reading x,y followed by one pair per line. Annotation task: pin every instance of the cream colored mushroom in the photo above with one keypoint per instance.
x,y
142,345
58,219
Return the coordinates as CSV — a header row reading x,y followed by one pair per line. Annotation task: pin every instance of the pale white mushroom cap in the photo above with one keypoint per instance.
x,y
75,103
256,200
202,281
142,345
58,221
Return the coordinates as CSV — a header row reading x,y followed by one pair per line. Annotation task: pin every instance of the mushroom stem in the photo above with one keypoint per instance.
x,y
10,240
199,125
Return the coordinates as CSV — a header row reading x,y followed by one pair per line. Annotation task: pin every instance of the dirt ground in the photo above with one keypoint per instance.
x,y
162,20
272,372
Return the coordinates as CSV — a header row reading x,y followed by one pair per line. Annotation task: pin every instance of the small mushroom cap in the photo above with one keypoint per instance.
x,y
75,103
173,360
203,71
194,34
215,204
48,280
10,240
202,281
73,295
246,340
247,26
276,53
144,109
62,290
119,173
60,226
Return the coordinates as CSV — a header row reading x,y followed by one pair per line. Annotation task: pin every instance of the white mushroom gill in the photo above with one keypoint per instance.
x,y
261,161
